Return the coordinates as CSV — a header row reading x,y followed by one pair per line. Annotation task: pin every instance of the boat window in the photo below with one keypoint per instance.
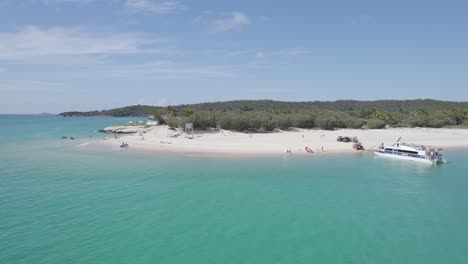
x,y
401,151
407,151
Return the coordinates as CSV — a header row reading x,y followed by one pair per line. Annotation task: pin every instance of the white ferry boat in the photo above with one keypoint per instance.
x,y
411,152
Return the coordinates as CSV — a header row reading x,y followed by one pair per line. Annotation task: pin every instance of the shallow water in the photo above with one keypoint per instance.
x,y
63,203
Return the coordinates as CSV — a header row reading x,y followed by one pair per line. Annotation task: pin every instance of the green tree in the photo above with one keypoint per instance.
x,y
459,115
422,118
174,122
367,113
375,123
187,112
247,108
158,117
172,110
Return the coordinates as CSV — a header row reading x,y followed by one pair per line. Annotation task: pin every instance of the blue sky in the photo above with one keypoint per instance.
x,y
59,55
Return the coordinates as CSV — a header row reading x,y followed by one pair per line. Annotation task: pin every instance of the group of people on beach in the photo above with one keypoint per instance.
x,y
307,149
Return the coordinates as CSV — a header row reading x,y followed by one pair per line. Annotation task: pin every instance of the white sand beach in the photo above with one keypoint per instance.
x,y
161,138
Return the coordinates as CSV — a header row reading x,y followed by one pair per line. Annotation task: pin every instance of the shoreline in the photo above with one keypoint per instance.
x,y
228,143
99,146
220,154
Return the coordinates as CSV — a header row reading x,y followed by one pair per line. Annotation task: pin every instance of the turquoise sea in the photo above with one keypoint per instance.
x,y
62,201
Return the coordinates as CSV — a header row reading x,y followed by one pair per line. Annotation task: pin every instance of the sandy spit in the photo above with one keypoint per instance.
x,y
223,142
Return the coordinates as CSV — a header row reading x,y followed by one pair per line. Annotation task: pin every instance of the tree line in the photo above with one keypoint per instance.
x,y
268,115
267,105
249,119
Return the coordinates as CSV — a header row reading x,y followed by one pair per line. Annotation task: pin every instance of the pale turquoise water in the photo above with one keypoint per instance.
x,y
60,203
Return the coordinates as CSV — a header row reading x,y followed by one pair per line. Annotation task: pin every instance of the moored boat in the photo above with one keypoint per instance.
x,y
411,152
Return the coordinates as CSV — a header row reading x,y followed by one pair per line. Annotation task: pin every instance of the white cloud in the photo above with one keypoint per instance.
x,y
13,85
75,54
235,53
35,42
234,21
291,52
259,55
56,2
162,102
157,7
153,6
51,2
166,70
197,20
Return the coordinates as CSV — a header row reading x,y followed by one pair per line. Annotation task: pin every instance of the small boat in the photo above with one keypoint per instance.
x,y
412,152
124,145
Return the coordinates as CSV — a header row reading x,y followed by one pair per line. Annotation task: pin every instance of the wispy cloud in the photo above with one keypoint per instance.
x,y
156,7
290,52
360,20
166,70
95,55
162,101
259,55
15,85
58,2
197,19
51,2
234,21
36,42
264,19
153,6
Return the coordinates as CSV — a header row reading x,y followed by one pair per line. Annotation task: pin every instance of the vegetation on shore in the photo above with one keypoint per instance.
x,y
266,115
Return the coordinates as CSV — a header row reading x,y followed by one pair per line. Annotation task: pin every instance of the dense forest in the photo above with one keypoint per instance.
x,y
268,115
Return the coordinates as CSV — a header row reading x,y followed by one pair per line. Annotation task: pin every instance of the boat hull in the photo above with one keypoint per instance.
x,y
408,158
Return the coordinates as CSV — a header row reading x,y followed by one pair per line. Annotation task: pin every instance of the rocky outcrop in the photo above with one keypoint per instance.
x,y
123,129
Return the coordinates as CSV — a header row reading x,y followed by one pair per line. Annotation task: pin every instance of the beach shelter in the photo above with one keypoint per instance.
x,y
189,129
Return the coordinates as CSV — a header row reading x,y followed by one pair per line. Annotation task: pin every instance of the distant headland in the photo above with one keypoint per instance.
x,y
268,115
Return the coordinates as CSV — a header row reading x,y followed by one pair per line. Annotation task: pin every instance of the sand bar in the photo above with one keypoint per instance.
x,y
161,138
